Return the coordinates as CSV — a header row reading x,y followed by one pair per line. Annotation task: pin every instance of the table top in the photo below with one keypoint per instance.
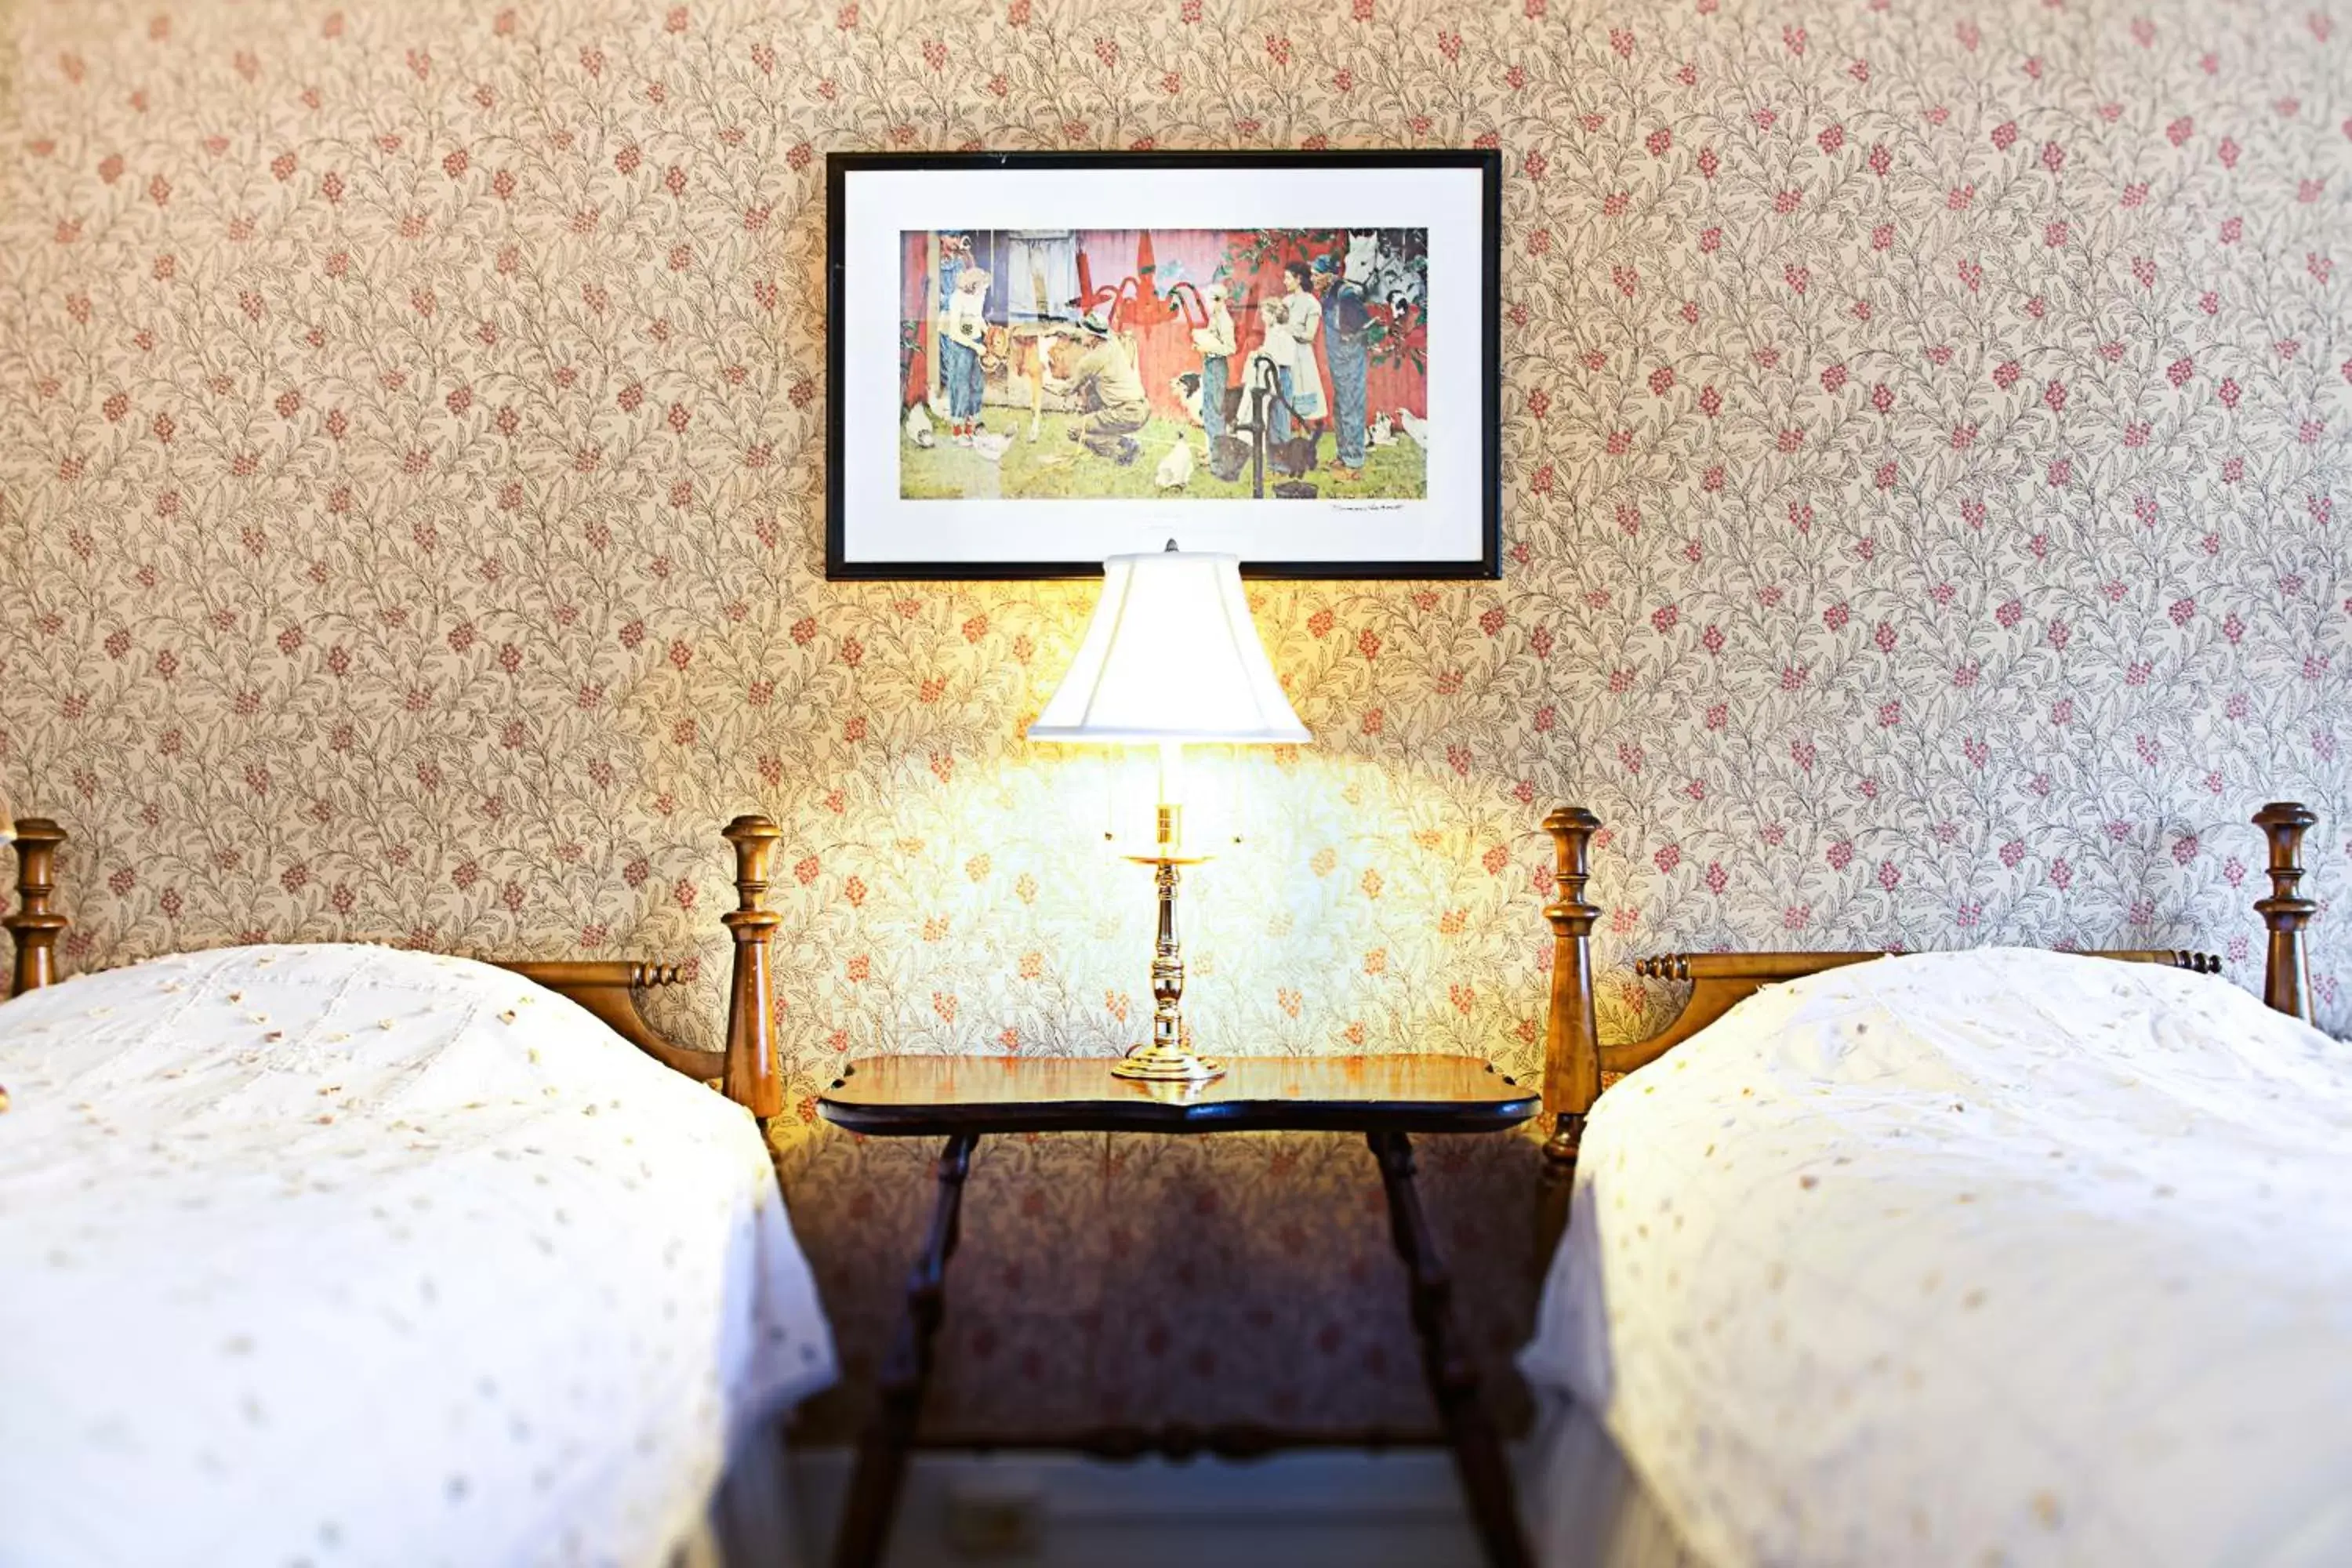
x,y
942,1096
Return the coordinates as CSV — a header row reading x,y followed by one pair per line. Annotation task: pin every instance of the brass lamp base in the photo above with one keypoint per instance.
x,y
1162,1064
1167,1057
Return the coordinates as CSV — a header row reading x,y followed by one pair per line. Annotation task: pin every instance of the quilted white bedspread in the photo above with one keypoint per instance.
x,y
342,1254
1972,1257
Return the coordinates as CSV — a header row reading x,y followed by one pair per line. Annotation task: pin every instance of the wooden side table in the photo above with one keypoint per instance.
x,y
1386,1099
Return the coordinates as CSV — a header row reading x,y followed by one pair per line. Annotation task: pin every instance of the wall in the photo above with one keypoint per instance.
x,y
1926,464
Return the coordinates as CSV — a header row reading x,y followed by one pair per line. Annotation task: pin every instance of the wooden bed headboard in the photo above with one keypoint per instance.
x,y
1576,1057
746,1069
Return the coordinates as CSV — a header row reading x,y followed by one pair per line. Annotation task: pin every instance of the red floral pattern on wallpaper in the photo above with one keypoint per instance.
x,y
1926,485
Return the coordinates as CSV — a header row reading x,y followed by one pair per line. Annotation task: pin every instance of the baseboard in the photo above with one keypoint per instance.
x,y
1325,1509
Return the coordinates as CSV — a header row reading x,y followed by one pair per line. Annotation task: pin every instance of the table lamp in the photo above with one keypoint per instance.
x,y
1172,655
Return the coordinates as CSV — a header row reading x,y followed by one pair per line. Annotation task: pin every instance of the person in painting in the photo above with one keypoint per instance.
x,y
1110,393
1291,323
955,255
1347,351
1216,342
963,329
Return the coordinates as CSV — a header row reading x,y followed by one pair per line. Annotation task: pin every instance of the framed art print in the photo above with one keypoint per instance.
x,y
1040,360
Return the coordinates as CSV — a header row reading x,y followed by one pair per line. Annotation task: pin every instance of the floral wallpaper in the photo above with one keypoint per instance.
x,y
1929,455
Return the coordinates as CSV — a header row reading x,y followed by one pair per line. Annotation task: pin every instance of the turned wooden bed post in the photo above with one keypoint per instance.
x,y
1572,1079
752,1079
2286,975
34,925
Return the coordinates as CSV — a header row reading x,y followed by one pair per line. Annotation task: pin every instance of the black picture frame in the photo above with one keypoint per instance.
x,y
841,167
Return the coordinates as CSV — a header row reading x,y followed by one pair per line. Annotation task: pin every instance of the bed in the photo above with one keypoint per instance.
x,y
347,1254
2003,1256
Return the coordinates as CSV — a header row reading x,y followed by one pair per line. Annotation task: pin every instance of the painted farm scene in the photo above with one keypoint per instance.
x,y
1182,363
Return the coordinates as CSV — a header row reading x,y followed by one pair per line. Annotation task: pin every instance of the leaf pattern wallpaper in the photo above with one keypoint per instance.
x,y
1925,486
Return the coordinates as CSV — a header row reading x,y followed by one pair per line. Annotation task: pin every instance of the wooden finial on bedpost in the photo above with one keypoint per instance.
x,y
752,1077
34,925
1572,1080
2286,976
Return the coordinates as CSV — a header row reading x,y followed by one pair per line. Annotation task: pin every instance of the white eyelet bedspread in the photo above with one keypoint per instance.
x,y
344,1255
1994,1257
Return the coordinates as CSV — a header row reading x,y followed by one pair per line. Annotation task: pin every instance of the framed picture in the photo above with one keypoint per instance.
x,y
1038,360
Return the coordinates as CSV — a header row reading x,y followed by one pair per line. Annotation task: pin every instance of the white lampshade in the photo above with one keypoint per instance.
x,y
1172,655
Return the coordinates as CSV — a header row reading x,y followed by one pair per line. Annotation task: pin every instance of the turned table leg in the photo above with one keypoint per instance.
x,y
1453,1376
881,1467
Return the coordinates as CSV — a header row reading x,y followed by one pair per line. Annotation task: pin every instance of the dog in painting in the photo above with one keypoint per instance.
x,y
1185,389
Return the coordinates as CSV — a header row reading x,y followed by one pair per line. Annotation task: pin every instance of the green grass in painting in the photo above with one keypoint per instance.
x,y
1056,465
